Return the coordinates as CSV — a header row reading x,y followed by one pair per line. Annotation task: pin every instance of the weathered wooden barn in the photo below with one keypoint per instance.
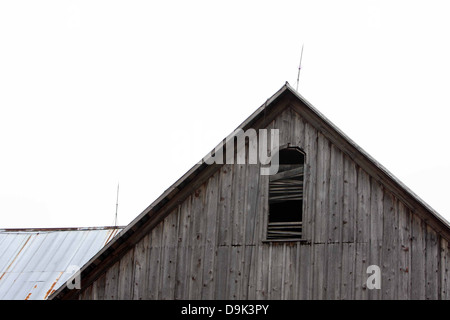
x,y
225,231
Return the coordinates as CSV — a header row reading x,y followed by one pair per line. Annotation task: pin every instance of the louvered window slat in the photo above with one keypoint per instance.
x,y
285,203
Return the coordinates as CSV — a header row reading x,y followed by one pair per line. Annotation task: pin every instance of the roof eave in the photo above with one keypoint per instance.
x,y
370,159
170,192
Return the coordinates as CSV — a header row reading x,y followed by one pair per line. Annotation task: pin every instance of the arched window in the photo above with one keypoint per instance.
x,y
286,197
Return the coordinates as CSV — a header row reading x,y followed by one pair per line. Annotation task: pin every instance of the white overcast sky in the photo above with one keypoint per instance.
x,y
93,93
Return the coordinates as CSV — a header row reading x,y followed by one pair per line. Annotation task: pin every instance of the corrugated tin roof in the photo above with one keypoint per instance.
x,y
35,262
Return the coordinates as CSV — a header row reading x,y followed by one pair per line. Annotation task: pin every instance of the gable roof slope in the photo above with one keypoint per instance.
x,y
284,97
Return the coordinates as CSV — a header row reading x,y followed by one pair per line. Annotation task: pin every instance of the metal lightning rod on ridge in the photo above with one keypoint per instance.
x,y
299,68
117,205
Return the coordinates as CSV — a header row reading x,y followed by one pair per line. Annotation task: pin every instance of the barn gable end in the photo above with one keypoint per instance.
x,y
205,237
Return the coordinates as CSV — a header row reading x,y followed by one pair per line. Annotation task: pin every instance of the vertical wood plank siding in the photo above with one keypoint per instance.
x,y
211,246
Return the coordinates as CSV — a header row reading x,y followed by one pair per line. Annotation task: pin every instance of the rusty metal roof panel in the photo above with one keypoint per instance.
x,y
35,262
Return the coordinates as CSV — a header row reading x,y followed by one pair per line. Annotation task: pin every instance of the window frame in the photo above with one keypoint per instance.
x,y
267,213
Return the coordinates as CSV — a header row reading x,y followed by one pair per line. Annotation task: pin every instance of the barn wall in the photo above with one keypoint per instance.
x,y
210,246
